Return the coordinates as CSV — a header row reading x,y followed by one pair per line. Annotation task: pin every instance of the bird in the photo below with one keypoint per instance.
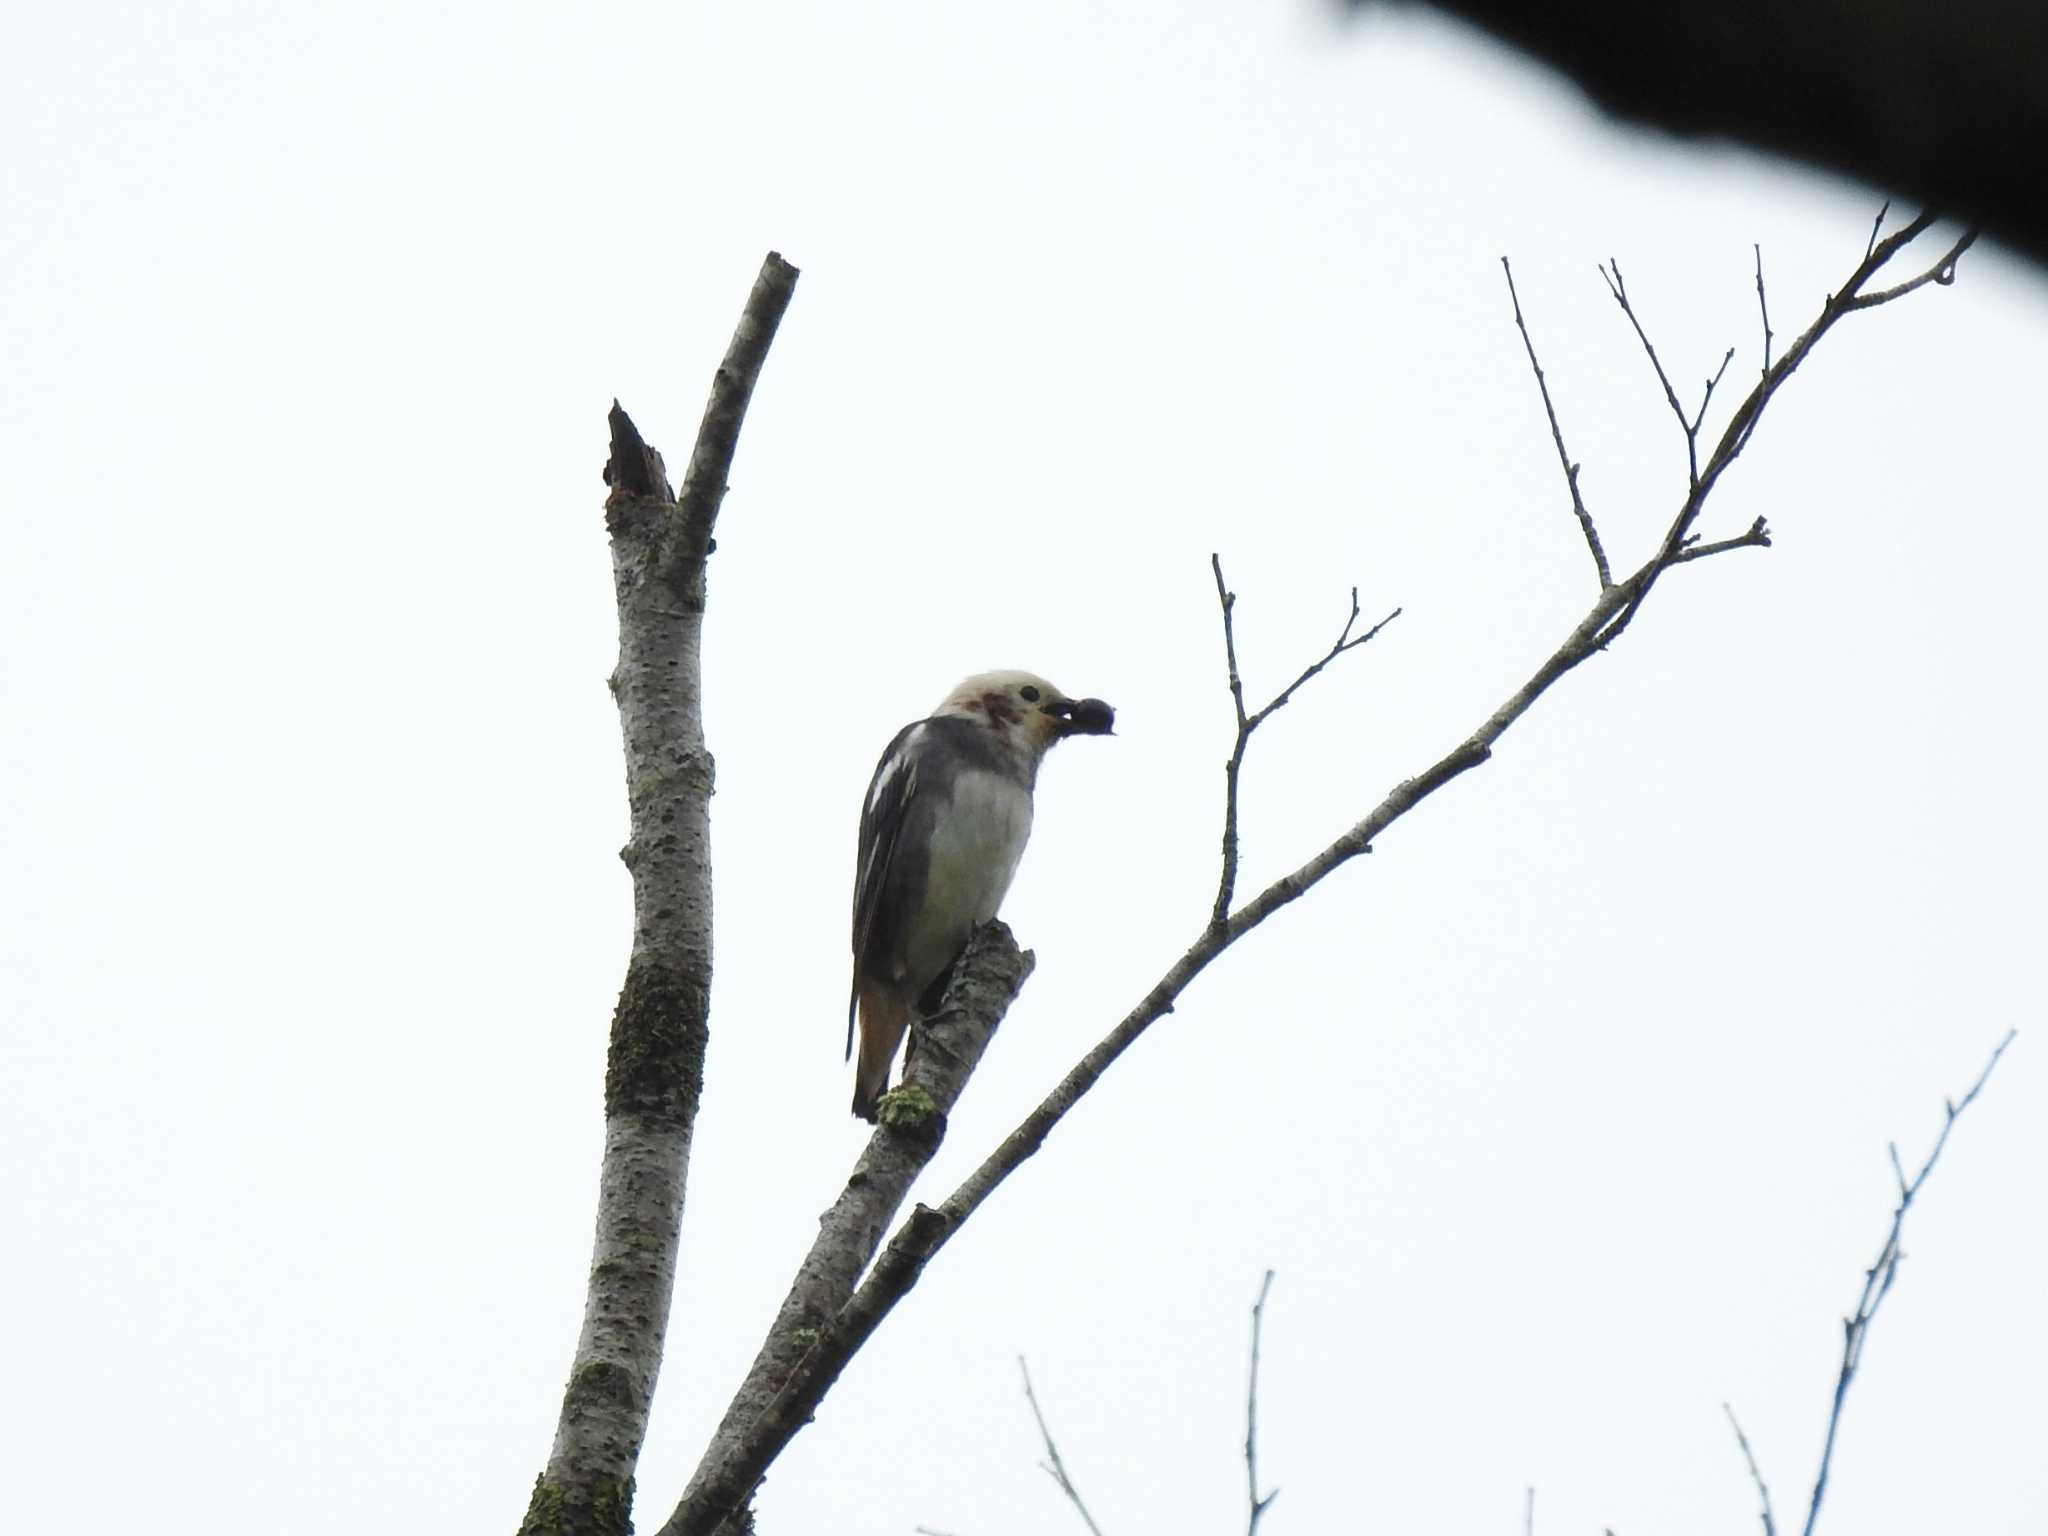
x,y
945,821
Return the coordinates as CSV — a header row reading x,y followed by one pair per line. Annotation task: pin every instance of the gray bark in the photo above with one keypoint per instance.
x,y
945,1048
654,1073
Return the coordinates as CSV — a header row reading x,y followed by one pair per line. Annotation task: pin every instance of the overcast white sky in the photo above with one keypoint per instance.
x,y
1562,1118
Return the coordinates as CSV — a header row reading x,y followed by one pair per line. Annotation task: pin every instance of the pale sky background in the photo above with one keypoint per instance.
x,y
1562,1118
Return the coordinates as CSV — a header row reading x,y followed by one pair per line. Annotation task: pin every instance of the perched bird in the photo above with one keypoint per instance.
x,y
944,825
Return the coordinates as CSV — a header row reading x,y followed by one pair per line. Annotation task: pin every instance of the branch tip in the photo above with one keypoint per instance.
x,y
1053,1466
634,468
1248,722
1571,469
1259,1503
1877,1280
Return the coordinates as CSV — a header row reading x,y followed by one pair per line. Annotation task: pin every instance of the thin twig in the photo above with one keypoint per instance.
x,y
1743,423
1758,537
1226,885
1571,470
1942,272
1346,641
1055,1468
1700,415
1611,274
1251,1419
1529,1513
1877,1280
1755,1475
1763,307
1876,225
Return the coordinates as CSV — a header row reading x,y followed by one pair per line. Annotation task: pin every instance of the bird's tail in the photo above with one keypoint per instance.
x,y
884,1015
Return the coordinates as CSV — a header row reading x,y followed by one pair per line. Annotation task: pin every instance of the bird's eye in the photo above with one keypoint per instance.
x,y
1030,694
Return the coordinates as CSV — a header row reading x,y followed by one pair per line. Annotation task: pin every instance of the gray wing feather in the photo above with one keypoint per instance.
x,y
882,815
912,784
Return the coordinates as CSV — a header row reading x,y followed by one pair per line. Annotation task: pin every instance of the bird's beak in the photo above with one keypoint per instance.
x,y
1082,717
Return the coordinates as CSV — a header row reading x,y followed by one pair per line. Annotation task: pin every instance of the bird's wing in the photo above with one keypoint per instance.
x,y
882,817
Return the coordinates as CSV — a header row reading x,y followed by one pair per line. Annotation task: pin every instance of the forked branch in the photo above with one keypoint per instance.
x,y
655,1067
946,1046
1877,1280
725,1480
1743,421
1226,885
1877,1284
1054,1465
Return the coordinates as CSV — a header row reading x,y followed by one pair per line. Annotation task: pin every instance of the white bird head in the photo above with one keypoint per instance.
x,y
1026,711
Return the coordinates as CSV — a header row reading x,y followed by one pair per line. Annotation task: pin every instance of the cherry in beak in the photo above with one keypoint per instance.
x,y
1084,717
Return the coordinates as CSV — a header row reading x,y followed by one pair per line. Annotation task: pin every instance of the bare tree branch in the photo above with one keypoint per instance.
x,y
1942,272
1611,275
1054,1467
1564,459
655,1069
1259,1504
1706,399
945,1048
1764,309
1877,1280
1757,537
1226,886
1743,422
1755,1475
724,1481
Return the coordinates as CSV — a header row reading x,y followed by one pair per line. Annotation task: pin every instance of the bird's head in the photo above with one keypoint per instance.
x,y
1026,711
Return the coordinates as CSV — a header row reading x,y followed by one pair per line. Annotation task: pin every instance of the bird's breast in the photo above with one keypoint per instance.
x,y
977,838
